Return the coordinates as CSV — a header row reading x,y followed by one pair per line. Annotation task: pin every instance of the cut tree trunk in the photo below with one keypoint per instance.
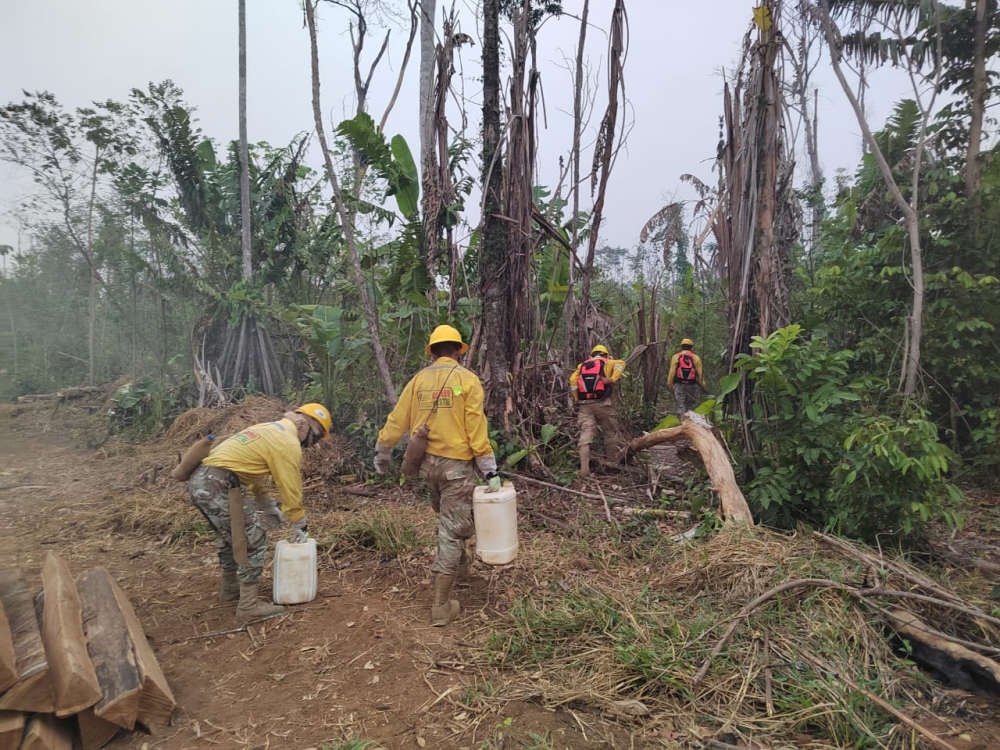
x,y
698,430
8,659
74,680
157,702
11,729
33,691
46,732
961,667
95,733
110,649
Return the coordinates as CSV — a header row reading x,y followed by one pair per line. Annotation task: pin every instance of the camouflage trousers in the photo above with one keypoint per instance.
x,y
209,490
686,397
594,414
451,483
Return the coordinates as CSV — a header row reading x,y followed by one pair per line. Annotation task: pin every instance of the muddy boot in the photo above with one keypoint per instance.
x,y
252,607
444,609
230,591
585,462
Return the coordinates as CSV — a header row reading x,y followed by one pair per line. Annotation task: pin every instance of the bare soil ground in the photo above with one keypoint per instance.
x,y
361,660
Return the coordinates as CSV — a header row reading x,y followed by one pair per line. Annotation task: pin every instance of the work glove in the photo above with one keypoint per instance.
x,y
269,507
494,482
300,531
487,464
383,459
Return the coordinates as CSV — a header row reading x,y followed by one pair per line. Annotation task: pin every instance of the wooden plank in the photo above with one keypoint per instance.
x,y
74,681
11,729
110,649
157,702
46,732
8,659
95,733
33,691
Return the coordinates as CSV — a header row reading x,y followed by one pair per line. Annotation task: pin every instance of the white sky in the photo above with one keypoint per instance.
x,y
100,49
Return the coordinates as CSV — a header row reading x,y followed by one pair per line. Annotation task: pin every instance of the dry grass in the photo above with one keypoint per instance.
x,y
639,631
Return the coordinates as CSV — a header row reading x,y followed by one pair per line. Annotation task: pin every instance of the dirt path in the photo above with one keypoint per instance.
x,y
359,661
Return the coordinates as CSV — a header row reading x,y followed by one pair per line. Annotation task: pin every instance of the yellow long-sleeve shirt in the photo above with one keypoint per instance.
x,y
614,369
457,426
268,448
673,369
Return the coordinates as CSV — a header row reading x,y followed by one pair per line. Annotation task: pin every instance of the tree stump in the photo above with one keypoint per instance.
x,y
110,648
33,691
698,430
74,680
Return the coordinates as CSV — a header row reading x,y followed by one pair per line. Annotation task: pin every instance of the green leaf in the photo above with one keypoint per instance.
x,y
705,407
549,431
729,384
516,456
671,420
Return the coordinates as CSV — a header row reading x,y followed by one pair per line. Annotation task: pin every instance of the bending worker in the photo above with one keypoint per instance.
x,y
686,377
449,400
244,460
592,384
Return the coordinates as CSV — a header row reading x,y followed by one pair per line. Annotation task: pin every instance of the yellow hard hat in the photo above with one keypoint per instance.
x,y
320,413
687,342
600,348
443,334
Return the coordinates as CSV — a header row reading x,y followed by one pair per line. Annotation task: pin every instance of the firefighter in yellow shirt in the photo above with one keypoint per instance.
x,y
449,400
686,377
245,460
592,384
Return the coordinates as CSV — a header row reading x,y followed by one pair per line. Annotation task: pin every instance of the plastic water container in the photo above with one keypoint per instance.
x,y
294,572
495,514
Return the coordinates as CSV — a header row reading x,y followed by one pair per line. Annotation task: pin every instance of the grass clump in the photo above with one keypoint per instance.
x,y
381,532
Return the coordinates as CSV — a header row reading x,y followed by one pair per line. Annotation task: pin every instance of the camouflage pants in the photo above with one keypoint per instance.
x,y
601,414
209,490
686,397
450,482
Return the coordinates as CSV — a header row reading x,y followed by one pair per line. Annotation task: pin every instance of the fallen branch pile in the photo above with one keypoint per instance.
x,y
75,666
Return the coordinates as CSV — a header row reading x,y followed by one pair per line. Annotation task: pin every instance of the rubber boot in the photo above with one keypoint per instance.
x,y
230,591
252,607
585,461
444,609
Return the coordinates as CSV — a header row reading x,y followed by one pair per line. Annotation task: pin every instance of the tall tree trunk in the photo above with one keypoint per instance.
x,y
493,258
604,152
572,342
244,150
428,152
978,101
912,364
348,229
92,297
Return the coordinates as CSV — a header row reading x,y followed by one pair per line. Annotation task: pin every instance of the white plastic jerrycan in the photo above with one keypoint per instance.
x,y
294,572
495,514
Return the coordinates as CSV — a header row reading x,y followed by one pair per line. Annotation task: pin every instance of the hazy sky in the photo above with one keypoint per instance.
x,y
100,49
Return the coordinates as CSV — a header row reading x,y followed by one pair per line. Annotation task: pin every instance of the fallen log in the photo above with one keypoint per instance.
x,y
74,680
8,659
157,703
933,650
698,430
46,732
110,649
66,394
95,733
11,729
33,691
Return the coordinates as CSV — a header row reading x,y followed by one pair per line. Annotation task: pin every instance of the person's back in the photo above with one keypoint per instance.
x,y
686,377
593,385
